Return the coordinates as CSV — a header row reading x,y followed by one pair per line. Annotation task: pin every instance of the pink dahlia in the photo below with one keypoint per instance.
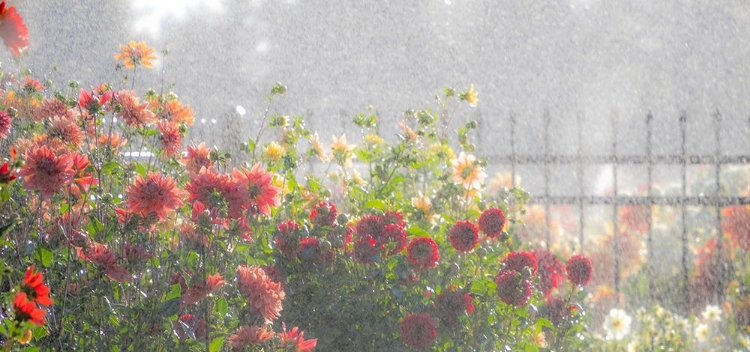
x,y
264,295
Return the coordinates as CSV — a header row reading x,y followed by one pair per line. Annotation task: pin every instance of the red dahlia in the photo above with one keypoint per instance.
x,y
491,222
366,250
27,310
520,261
392,217
310,252
464,236
450,304
551,271
579,269
323,214
369,225
422,253
512,288
36,290
393,239
418,330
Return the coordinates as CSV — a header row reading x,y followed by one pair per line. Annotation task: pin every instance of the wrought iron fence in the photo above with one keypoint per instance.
x,y
649,160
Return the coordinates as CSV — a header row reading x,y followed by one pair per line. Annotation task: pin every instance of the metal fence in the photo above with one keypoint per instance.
x,y
649,160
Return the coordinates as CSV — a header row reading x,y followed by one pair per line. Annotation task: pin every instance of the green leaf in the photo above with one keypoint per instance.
x,y
221,307
174,292
415,230
44,256
375,204
109,167
216,344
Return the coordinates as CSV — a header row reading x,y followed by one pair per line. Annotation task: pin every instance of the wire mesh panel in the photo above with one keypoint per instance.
x,y
641,202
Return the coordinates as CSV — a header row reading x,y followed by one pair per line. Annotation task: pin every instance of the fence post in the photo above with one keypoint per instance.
x,y
615,207
683,207
650,218
581,191
512,149
547,214
719,235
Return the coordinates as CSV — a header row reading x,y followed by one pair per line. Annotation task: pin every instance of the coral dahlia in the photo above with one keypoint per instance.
x,y
46,172
254,190
264,295
5,124
156,193
250,336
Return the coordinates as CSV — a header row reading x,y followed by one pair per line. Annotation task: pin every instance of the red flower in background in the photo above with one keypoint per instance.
x,y
155,193
287,240
418,330
6,174
13,30
188,325
491,222
423,253
392,217
520,261
26,310
735,223
5,124
512,288
463,236
34,287
310,252
579,269
323,214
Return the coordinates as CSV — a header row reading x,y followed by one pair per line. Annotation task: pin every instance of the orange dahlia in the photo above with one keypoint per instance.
x,y
176,112
26,310
46,172
264,295
53,107
156,193
250,336
254,190
132,112
134,54
35,288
